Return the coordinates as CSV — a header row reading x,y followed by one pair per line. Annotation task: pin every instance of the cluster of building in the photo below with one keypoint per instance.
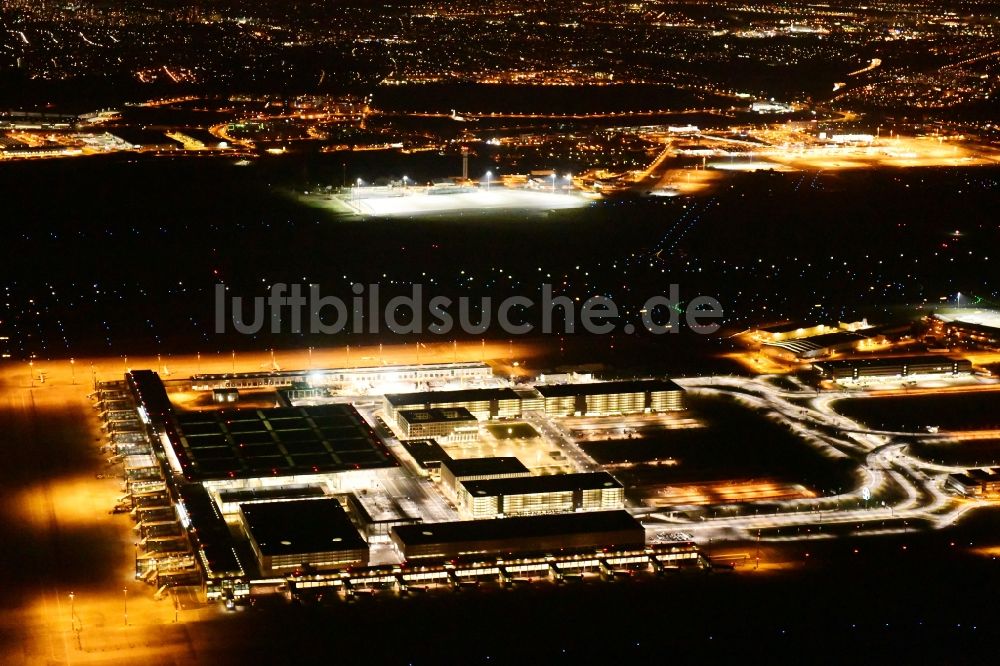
x,y
304,485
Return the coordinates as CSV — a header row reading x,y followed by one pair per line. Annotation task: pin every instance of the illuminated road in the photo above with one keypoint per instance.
x,y
893,485
562,438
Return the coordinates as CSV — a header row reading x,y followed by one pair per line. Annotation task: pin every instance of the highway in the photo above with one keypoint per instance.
x,y
549,116
893,484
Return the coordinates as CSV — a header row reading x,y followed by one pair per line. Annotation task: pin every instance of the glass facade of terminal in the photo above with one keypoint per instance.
x,y
474,503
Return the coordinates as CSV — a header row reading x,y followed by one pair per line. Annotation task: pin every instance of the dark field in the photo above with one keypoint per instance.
x,y
738,443
963,411
970,452
121,254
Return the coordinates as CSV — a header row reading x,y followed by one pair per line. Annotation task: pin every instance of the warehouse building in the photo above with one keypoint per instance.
x,y
450,424
604,398
454,472
892,366
556,533
302,534
555,493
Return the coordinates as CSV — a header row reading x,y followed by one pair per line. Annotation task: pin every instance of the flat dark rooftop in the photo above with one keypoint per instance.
x,y
495,529
301,526
607,388
427,398
248,443
483,466
888,361
148,391
550,483
258,494
427,452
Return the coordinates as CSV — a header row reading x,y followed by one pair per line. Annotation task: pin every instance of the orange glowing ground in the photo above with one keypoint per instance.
x,y
731,492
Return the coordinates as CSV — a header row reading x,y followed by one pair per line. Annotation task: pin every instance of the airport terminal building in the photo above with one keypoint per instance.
x,y
302,534
976,327
557,533
257,463
553,493
275,496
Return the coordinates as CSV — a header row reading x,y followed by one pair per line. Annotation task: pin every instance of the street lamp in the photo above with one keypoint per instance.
x,y
553,182
569,179
489,176
72,370
405,181
125,602
74,621
31,373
